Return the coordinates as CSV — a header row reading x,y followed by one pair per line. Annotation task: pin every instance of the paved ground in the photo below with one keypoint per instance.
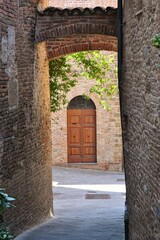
x,y
88,204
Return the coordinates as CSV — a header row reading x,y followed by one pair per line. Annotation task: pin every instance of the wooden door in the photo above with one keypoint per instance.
x,y
81,135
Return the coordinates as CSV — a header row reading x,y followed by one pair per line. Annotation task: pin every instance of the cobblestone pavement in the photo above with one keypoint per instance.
x,y
88,205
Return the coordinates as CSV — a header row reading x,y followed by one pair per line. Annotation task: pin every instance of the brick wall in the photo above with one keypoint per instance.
x,y
53,24
81,42
82,3
24,117
141,99
109,144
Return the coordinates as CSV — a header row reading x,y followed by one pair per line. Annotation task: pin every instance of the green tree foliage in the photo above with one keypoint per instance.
x,y
156,41
93,65
62,79
5,233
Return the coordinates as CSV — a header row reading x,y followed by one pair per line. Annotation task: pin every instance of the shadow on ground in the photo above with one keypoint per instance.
x,y
88,204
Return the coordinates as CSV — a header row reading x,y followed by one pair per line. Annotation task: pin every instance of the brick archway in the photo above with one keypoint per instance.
x,y
71,44
67,31
76,28
54,23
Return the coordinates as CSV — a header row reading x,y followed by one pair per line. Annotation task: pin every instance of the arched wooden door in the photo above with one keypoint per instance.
x,y
81,120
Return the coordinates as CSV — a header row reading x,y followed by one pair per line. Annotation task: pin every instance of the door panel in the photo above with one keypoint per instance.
x,y
81,136
89,135
89,151
88,119
74,135
74,119
74,151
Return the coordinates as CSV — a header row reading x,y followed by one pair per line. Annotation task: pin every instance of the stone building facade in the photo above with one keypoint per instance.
x,y
141,112
29,39
108,130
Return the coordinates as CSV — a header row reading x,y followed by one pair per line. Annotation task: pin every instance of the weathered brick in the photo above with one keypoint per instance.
x,y
25,173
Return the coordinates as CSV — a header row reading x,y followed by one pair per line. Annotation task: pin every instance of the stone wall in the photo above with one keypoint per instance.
x,y
109,142
25,155
141,112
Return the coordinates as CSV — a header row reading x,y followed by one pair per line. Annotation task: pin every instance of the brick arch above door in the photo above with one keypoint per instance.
x,y
77,43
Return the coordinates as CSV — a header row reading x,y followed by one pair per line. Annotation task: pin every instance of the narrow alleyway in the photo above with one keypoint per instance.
x,y
88,204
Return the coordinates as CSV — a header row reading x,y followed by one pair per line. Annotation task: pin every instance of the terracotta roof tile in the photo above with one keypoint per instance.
x,y
78,11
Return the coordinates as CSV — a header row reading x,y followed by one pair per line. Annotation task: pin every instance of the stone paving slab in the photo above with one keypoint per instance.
x,y
78,218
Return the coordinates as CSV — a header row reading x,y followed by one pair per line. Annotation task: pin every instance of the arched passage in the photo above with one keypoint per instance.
x,y
67,31
53,28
